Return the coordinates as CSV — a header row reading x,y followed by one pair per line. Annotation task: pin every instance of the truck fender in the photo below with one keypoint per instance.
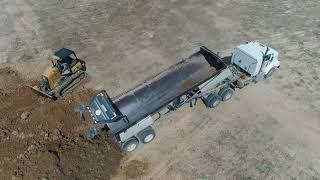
x,y
272,65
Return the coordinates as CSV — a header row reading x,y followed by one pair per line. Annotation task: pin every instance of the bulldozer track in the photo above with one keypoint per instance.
x,y
70,84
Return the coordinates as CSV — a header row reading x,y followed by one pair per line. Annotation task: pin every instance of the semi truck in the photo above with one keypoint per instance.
x,y
202,76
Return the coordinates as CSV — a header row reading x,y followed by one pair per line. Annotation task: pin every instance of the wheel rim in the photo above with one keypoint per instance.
x,y
215,103
148,138
227,96
131,147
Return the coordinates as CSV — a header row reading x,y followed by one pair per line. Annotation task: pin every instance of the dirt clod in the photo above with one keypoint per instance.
x,y
25,115
15,133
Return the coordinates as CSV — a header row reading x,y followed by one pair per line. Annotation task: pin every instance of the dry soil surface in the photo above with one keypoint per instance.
x,y
267,131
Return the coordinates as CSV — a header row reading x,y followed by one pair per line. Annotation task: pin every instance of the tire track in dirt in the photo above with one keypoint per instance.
x,y
20,38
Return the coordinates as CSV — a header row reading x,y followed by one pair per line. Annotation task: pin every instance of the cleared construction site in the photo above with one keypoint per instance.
x,y
86,88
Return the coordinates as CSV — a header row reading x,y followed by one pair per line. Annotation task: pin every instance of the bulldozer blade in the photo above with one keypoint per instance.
x,y
37,91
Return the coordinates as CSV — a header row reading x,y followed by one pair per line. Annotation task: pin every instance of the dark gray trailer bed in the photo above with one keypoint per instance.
x,y
157,92
126,110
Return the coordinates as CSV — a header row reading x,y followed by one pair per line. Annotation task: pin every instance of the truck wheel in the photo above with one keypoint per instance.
x,y
269,74
213,100
130,145
226,94
147,135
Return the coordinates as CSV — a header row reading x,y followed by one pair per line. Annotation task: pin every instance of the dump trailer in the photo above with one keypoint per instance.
x,y
202,76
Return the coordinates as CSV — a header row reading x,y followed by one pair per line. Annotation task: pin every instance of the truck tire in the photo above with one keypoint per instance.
x,y
269,74
147,135
130,145
226,94
213,100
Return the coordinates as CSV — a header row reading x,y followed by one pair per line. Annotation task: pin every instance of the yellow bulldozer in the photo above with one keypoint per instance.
x,y
65,73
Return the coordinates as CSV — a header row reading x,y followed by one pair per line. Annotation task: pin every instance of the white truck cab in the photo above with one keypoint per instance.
x,y
256,59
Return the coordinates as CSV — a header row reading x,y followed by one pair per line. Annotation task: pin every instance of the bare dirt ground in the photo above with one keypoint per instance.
x,y
41,139
267,131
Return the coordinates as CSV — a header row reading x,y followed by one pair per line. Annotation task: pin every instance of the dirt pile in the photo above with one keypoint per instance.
x,y
40,138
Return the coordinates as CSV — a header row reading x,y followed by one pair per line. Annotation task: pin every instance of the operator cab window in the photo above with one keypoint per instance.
x,y
72,56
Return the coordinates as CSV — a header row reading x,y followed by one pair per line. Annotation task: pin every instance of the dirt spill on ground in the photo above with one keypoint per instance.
x,y
135,169
41,138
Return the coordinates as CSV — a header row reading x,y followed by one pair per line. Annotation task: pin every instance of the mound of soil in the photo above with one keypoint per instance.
x,y
41,138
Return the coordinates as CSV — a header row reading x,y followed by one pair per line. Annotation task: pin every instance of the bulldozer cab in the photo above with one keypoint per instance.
x,y
64,60
66,56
